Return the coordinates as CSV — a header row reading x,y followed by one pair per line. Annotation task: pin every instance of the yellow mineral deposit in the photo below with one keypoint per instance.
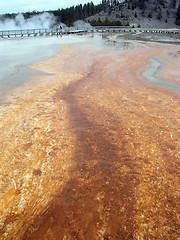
x,y
89,149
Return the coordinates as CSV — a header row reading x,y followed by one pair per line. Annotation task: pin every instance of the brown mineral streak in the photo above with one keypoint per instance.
x,y
91,151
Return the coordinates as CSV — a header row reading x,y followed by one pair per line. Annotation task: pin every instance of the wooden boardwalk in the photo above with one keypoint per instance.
x,y
73,30
136,30
38,32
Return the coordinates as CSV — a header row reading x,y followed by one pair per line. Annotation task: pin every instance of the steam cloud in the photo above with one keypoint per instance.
x,y
82,25
44,20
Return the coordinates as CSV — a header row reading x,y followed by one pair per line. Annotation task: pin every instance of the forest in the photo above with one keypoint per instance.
x,y
80,12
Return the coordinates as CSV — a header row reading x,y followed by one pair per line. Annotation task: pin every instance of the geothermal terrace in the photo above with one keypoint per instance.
x,y
90,149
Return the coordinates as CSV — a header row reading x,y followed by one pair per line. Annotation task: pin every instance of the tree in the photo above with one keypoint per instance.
x,y
142,5
80,11
178,16
85,11
92,8
133,6
111,3
150,15
162,2
115,2
159,16
104,4
173,4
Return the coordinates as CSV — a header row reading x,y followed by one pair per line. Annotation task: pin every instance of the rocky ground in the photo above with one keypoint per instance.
x,y
90,150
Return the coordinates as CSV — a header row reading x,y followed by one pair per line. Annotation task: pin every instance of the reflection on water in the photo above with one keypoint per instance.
x,y
17,53
123,45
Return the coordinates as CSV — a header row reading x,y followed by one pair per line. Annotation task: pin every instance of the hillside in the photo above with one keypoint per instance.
x,y
137,13
146,13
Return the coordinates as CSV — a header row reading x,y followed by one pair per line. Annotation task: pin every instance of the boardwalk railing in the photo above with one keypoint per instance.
x,y
136,30
74,30
39,32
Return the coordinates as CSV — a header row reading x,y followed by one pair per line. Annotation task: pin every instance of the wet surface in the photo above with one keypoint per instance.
x,y
155,68
18,53
150,37
95,154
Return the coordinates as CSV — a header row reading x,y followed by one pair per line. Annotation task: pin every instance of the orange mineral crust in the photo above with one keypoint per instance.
x,y
90,149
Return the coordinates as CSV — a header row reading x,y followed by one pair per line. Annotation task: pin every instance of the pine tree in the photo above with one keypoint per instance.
x,y
85,11
178,16
159,16
92,8
104,4
142,4
111,3
162,2
150,15
173,4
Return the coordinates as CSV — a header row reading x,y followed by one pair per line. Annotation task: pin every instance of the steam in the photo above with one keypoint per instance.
x,y
82,25
44,20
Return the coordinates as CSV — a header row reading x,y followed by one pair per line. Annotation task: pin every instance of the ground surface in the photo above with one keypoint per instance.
x,y
90,151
